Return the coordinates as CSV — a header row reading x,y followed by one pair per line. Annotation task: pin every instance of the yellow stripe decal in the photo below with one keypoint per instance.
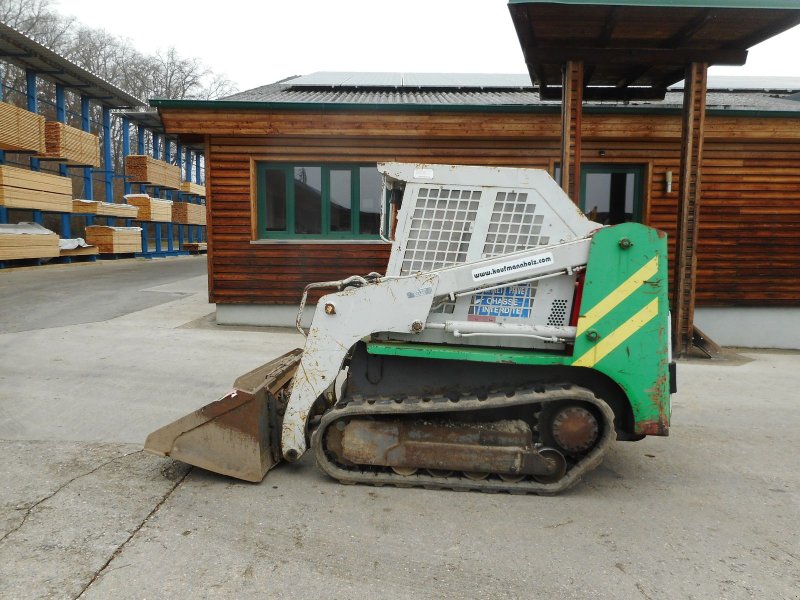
x,y
625,289
618,336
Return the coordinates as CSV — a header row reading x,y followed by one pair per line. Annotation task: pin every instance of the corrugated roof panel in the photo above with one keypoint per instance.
x,y
286,93
739,82
21,50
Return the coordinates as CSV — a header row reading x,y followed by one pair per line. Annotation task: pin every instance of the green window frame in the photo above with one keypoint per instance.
x,y
609,168
637,170
328,227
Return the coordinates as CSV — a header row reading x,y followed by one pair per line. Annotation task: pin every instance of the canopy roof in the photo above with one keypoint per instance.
x,y
635,49
17,48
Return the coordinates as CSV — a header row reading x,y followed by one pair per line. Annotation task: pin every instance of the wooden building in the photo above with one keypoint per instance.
x,y
293,193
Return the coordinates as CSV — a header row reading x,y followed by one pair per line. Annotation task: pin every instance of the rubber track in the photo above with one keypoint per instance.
x,y
359,407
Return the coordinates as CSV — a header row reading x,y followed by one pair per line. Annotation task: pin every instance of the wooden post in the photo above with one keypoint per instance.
x,y
571,117
685,267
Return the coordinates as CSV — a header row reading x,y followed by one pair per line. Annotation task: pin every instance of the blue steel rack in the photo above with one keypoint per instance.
x,y
40,63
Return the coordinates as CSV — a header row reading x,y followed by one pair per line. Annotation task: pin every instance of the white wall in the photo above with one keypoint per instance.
x,y
751,327
269,315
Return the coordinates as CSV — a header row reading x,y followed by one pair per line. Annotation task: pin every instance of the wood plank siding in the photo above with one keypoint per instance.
x,y
749,247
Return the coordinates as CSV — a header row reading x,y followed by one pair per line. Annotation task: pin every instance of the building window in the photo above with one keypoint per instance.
x,y
318,201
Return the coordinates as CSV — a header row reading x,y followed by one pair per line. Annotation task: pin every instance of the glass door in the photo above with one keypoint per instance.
x,y
611,193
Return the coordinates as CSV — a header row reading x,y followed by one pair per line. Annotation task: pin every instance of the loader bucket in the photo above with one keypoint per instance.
x,y
238,435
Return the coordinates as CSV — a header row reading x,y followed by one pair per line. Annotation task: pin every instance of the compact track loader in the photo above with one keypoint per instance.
x,y
511,341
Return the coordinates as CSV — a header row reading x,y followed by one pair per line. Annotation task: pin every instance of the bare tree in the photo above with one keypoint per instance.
x,y
165,74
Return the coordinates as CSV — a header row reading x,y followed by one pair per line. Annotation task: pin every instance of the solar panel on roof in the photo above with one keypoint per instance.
x,y
413,80
372,79
342,78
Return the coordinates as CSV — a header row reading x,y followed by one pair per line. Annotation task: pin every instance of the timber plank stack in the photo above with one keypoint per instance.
x,y
143,169
105,209
27,240
115,240
193,189
80,251
71,145
187,213
21,188
151,209
21,130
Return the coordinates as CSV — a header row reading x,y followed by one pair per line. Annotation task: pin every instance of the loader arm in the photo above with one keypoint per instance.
x,y
340,320
403,304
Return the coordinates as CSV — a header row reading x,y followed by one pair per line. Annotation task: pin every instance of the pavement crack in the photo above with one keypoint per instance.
x,y
104,569
642,591
639,587
555,525
29,509
784,550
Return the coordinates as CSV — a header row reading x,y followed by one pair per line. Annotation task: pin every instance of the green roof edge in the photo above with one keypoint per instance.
x,y
472,108
760,4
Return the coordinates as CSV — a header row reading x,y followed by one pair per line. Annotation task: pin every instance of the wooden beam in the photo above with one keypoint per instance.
x,y
571,121
784,20
687,31
536,73
690,179
603,40
683,35
527,37
635,56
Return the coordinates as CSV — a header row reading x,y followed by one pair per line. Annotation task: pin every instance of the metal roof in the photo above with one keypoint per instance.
x,y
18,49
147,118
636,49
748,83
285,95
378,96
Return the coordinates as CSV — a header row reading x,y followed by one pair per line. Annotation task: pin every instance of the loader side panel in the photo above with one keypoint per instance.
x,y
623,327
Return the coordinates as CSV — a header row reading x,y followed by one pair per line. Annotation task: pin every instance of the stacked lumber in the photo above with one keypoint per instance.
x,y
195,246
188,214
70,145
27,240
76,247
21,188
20,129
193,189
80,251
140,168
115,240
105,209
151,209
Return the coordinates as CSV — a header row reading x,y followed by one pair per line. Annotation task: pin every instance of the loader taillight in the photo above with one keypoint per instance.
x,y
576,301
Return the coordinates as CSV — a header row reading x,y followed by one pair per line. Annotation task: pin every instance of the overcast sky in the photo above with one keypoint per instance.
x,y
258,42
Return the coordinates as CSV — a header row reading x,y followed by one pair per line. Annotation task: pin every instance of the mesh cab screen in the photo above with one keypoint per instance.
x,y
441,229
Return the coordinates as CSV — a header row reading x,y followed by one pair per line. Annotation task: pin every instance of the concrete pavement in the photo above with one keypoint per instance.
x,y
710,512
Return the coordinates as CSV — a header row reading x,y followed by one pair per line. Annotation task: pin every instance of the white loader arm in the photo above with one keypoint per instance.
x,y
401,305
340,320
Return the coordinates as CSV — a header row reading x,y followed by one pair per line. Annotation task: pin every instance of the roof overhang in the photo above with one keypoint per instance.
x,y
18,49
635,49
151,120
